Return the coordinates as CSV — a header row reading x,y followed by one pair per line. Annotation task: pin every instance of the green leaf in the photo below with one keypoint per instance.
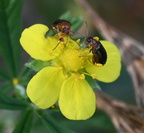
x,y
66,16
25,74
77,22
25,71
10,25
5,88
24,124
37,65
7,102
97,87
25,77
93,83
3,75
52,125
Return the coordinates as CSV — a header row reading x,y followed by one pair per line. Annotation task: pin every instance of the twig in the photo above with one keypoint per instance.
x,y
126,118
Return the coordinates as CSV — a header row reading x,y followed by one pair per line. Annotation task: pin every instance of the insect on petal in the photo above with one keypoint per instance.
x,y
111,70
38,46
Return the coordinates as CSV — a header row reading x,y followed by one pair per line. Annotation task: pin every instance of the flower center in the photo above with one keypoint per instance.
x,y
73,60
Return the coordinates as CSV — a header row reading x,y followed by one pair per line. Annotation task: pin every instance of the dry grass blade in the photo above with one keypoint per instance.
x,y
126,118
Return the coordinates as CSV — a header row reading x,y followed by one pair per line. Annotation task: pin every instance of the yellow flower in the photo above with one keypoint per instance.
x,y
64,80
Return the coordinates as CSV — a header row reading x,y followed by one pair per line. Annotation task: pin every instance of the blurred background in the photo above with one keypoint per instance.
x,y
125,15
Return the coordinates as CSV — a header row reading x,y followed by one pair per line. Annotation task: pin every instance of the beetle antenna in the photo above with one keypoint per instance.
x,y
56,45
87,33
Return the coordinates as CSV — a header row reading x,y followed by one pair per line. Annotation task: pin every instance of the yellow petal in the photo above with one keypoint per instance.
x,y
43,89
77,100
38,46
71,44
111,70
